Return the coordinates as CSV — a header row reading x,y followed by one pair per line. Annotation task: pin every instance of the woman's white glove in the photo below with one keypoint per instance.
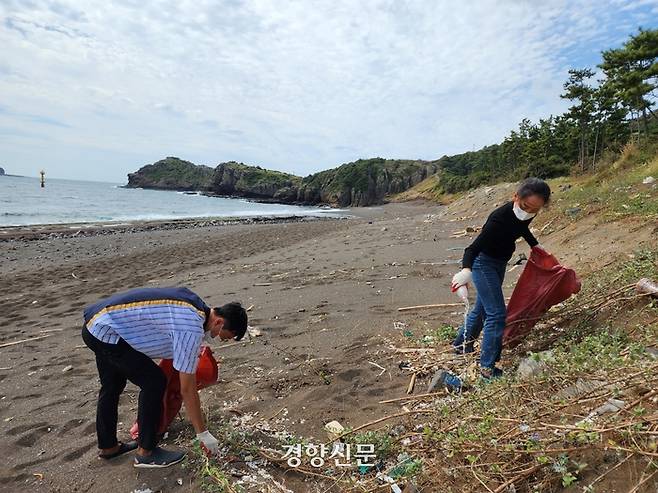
x,y
208,442
462,278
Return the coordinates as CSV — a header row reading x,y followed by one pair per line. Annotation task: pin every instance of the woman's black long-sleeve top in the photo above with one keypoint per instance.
x,y
498,236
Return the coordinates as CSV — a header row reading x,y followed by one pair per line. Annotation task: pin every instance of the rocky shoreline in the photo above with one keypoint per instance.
x,y
75,230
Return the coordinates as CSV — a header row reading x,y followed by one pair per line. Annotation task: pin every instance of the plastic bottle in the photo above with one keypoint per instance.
x,y
462,293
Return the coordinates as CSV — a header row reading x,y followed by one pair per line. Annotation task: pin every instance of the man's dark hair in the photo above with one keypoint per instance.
x,y
235,318
534,186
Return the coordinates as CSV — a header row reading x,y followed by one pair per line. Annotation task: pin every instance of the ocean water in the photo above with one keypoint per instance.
x,y
24,202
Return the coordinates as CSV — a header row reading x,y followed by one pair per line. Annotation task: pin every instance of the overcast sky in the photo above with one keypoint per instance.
x,y
94,90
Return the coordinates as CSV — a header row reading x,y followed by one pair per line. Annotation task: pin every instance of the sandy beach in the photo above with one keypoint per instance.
x,y
324,291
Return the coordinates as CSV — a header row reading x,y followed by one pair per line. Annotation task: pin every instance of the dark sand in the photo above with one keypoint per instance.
x,y
335,286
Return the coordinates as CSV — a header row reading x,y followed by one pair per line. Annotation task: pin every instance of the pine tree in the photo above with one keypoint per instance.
x,y
632,71
578,90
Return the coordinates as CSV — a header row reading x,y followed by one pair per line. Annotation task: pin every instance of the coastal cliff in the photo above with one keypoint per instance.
x,y
360,183
364,182
172,173
240,180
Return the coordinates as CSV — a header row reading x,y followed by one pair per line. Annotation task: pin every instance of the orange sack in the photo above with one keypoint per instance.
x,y
207,372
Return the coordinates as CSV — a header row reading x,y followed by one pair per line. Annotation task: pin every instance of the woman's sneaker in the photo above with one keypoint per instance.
x,y
488,374
159,458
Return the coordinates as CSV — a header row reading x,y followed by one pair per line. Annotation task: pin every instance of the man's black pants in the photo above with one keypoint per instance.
x,y
116,364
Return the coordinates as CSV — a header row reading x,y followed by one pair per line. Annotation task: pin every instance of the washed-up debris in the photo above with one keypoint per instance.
x,y
464,232
647,286
581,387
610,406
334,429
261,478
435,382
649,180
67,368
383,370
254,332
387,479
412,383
13,343
427,307
534,366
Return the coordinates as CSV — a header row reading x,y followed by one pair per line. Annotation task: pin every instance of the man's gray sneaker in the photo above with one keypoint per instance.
x,y
159,458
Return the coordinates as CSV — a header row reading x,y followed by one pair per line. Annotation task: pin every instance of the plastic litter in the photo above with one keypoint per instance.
x,y
450,381
334,429
394,487
647,286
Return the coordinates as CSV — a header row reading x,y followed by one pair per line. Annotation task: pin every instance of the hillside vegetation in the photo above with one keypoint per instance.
x,y
361,183
172,173
364,182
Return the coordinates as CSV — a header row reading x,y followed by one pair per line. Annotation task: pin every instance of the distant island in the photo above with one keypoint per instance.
x,y
360,183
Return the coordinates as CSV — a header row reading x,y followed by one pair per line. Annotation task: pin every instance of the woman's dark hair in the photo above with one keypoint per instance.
x,y
534,186
235,318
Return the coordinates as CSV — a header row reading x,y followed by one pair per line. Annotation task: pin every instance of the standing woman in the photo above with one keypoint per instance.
x,y
484,263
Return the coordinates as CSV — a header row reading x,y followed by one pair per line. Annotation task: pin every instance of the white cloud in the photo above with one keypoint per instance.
x,y
298,86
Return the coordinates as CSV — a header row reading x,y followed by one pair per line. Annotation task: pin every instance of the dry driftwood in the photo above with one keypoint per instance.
x,y
427,307
412,383
13,343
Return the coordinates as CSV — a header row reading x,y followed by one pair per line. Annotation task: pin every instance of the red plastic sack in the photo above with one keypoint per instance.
x,y
543,283
207,373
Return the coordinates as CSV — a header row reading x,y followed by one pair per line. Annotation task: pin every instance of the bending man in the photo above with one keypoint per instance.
x,y
126,332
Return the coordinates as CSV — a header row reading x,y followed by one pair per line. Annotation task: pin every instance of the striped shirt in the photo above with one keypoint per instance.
x,y
159,322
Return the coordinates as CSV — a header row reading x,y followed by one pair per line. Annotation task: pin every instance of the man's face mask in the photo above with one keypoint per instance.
x,y
207,337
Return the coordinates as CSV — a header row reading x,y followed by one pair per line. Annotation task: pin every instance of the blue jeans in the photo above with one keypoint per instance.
x,y
489,312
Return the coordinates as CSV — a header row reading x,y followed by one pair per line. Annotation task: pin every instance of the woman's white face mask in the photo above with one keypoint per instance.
x,y
521,214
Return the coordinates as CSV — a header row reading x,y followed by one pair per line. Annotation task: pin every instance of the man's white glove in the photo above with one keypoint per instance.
x,y
208,442
462,278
